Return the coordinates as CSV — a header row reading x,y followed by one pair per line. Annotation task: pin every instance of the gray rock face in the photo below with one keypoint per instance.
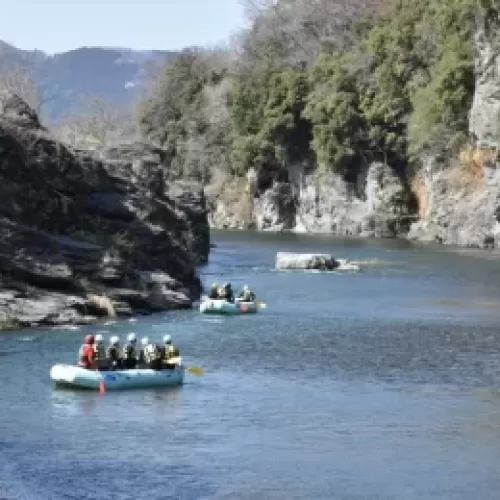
x,y
464,216
275,208
327,205
379,209
82,236
484,124
324,262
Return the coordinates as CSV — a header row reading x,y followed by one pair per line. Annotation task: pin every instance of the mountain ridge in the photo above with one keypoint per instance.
x,y
67,79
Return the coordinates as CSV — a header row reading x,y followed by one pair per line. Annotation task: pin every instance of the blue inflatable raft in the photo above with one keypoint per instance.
x,y
140,378
221,306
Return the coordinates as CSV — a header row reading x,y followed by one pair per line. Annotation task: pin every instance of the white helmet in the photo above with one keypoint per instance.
x,y
167,339
131,337
145,341
246,288
114,340
98,338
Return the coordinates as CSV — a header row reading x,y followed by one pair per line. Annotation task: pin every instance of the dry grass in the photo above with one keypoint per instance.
x,y
236,194
467,173
421,193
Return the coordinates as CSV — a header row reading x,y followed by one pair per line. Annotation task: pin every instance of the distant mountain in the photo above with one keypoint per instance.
x,y
68,78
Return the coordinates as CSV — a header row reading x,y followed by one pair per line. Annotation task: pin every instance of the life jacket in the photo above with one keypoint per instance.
x,y
172,351
248,296
86,356
113,353
100,353
129,351
151,353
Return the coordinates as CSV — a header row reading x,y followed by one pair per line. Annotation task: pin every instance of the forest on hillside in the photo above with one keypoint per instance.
x,y
326,84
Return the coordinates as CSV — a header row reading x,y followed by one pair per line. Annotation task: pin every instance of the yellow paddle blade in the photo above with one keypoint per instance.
x,y
263,305
195,370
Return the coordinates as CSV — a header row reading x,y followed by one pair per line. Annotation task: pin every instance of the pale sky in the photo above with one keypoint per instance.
x,y
59,25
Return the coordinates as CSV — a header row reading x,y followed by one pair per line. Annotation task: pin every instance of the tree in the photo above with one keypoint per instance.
x,y
96,124
20,80
294,32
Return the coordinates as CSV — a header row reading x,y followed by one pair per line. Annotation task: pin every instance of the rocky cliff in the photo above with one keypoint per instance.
x,y
379,205
83,237
449,199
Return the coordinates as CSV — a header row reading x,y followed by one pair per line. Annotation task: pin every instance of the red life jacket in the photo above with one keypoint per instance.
x,y
86,356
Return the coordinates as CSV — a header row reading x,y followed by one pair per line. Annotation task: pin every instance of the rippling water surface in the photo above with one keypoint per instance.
x,y
380,384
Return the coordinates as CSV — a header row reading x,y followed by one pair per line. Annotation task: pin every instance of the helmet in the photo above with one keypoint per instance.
x,y
215,285
98,338
167,339
89,339
114,340
131,337
145,341
246,288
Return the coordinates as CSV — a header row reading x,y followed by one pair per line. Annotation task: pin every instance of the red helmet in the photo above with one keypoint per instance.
x,y
89,339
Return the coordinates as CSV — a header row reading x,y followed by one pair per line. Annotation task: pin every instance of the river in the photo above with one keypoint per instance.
x,y
378,384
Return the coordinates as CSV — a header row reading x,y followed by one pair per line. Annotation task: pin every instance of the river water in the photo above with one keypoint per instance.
x,y
377,384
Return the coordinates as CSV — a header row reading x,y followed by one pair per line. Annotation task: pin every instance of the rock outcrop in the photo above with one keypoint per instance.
x,y
460,201
460,204
83,237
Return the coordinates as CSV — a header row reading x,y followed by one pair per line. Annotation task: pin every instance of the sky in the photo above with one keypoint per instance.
x,y
60,25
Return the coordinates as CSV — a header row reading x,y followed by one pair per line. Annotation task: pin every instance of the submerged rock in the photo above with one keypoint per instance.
x,y
75,227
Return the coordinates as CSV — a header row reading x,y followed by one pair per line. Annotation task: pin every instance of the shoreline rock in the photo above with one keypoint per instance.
x,y
86,235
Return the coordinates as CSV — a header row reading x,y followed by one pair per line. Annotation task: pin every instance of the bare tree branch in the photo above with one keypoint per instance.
x,y
96,124
20,80
293,32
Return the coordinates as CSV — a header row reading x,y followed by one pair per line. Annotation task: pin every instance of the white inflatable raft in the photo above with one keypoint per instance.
x,y
139,378
221,306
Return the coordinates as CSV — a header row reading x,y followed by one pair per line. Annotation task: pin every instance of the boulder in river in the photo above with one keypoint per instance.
x,y
324,262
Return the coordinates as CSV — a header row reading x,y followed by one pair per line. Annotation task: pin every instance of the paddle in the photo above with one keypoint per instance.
x,y
195,370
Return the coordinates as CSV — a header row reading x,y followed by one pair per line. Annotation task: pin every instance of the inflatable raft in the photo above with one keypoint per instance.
x,y
140,378
221,306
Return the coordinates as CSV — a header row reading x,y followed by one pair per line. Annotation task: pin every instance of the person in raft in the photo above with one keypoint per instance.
x,y
113,354
227,292
100,352
151,354
169,353
246,295
87,353
129,352
214,291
